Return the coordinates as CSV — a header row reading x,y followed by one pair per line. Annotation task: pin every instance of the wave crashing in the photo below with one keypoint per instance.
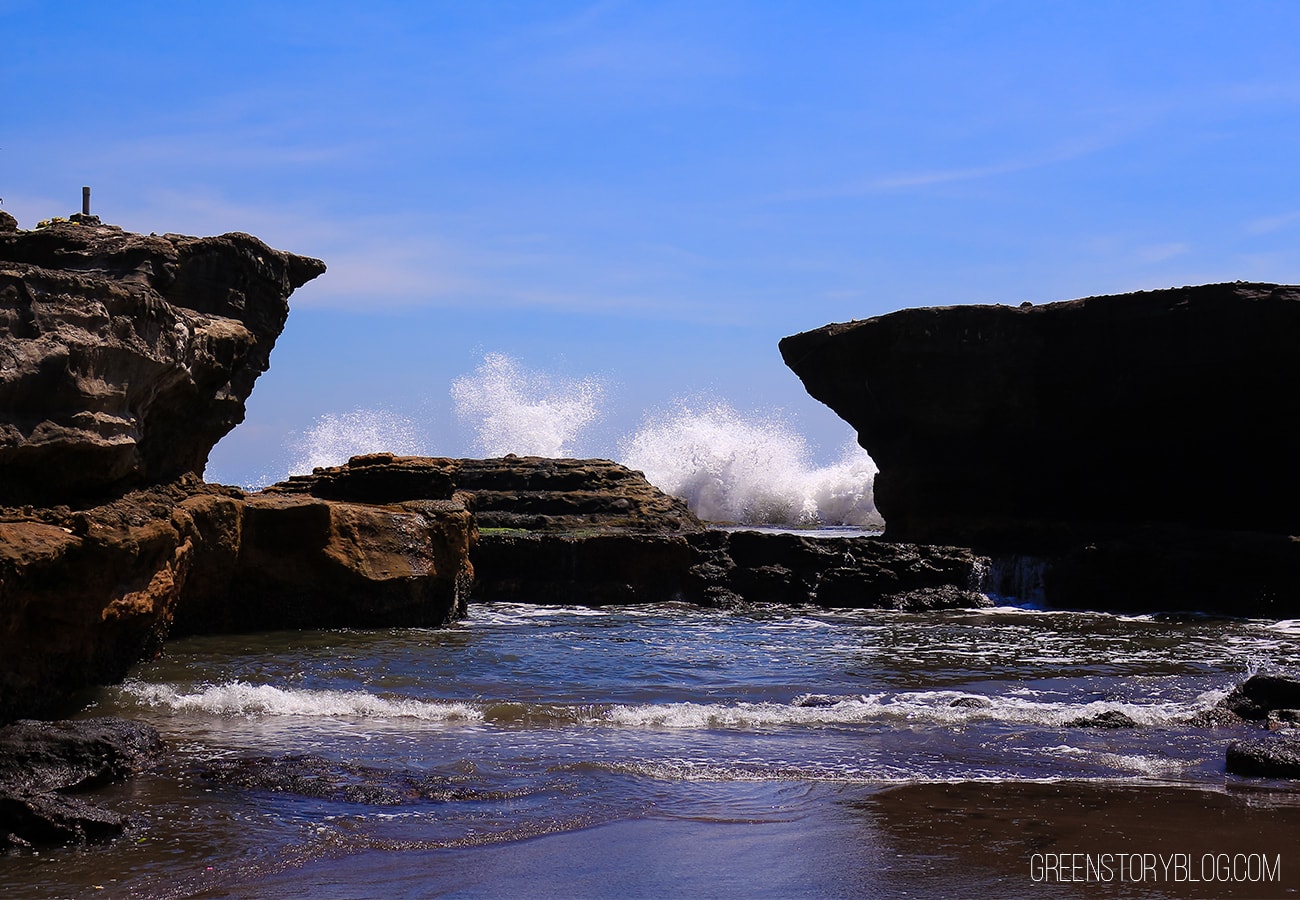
x,y
748,469
942,708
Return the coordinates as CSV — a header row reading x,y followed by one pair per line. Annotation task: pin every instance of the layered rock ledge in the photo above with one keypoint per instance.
x,y
1141,444
591,531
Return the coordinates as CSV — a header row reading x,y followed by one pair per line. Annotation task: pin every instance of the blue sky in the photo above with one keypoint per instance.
x,y
655,193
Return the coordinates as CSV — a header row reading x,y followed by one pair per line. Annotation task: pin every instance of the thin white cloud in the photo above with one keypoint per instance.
x,y
1269,224
1063,152
401,261
1155,253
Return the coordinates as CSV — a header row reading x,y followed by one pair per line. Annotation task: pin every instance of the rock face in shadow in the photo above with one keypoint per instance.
x,y
1119,434
1119,409
124,358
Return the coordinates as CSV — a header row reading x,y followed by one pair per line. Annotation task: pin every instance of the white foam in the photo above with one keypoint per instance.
x,y
528,413
921,707
753,470
238,698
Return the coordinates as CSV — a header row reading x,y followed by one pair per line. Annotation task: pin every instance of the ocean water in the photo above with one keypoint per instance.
x,y
666,751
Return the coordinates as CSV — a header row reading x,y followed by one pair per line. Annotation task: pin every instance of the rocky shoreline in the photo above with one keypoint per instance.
x,y
124,358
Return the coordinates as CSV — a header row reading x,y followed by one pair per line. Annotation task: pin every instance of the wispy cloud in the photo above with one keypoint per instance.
x,y
1155,253
1065,151
400,261
1269,224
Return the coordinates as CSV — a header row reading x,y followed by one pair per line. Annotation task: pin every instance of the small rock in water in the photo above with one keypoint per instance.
x,y
313,776
40,762
1259,695
1110,719
1266,757
971,703
1216,717
816,700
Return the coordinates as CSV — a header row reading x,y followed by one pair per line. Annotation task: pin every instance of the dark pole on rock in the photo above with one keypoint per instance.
x,y
85,201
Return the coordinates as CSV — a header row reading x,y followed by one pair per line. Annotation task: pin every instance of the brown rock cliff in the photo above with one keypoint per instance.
x,y
124,358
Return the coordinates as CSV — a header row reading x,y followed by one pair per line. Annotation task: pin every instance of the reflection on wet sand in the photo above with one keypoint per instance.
x,y
1067,839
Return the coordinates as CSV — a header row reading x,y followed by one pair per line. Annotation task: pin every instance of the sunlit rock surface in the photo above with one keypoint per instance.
x,y
124,358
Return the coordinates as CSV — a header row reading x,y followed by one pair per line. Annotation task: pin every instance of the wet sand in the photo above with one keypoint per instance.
x,y
970,839
1089,839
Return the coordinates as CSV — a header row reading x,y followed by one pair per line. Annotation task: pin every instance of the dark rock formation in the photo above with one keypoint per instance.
x,y
1274,756
843,572
1142,434
1272,700
1260,695
1105,410
125,358
42,763
1109,719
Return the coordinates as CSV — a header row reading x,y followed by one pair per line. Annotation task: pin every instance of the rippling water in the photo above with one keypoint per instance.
x,y
672,751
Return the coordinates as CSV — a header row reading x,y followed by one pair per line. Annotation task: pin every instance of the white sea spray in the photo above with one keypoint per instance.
x,y
336,437
520,411
750,469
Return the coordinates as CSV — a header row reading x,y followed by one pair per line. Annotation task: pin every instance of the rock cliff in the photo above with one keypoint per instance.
x,y
1162,406
124,358
1124,432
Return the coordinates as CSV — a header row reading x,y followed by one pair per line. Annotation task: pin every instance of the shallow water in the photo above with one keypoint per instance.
x,y
672,751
